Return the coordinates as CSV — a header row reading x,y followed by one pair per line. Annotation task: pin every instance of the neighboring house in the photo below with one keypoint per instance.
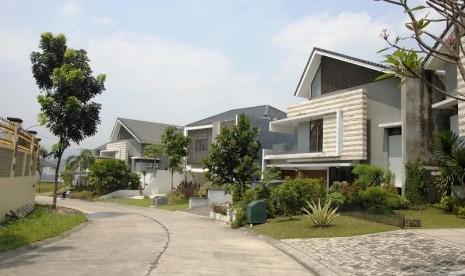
x,y
349,119
127,142
204,132
48,171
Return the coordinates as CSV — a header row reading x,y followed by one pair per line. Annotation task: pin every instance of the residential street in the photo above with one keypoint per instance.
x,y
125,240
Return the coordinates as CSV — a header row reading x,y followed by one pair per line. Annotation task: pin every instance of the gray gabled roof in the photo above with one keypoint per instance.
x,y
145,132
257,112
313,63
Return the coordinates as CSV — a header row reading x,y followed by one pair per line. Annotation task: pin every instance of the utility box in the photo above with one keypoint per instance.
x,y
256,212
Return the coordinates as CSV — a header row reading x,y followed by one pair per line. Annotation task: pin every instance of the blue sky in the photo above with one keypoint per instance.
x,y
180,61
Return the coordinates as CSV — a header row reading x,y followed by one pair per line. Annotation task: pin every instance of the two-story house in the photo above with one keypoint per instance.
x,y
127,142
204,132
349,119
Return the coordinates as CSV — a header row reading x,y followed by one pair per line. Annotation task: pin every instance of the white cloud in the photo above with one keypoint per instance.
x,y
355,34
70,10
156,79
103,21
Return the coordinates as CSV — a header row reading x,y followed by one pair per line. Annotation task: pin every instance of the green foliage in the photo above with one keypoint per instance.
x,y
240,208
232,158
80,162
112,175
175,146
270,174
336,199
415,183
65,78
287,199
396,201
369,175
402,63
452,204
188,189
373,196
321,216
449,152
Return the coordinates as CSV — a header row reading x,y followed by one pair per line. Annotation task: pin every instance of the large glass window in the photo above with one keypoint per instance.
x,y
316,84
316,135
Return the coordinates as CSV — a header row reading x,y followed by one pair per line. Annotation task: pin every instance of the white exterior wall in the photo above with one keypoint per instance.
x,y
461,104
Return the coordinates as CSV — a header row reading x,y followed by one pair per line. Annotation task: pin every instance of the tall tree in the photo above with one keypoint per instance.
x,y
175,146
67,86
233,157
81,162
406,61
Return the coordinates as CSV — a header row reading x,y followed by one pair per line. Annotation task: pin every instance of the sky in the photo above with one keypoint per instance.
x,y
179,61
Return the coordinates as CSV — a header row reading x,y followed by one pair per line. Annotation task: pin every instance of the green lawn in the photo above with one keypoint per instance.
x,y
178,204
46,188
42,223
302,227
432,217
346,226
146,202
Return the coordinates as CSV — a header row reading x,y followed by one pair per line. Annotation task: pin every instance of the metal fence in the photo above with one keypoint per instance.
x,y
378,216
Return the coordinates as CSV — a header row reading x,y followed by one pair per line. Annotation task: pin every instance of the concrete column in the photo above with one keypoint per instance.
x,y
17,123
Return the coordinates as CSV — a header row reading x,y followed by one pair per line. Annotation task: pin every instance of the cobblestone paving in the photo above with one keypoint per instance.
x,y
393,253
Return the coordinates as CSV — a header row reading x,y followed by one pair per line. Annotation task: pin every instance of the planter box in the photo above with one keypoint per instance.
x,y
197,201
228,218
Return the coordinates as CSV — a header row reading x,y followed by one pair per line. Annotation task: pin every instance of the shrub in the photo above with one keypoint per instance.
x,y
461,212
81,195
220,208
446,203
336,198
353,193
321,216
240,208
264,192
111,175
287,199
415,183
188,189
396,202
373,196
369,175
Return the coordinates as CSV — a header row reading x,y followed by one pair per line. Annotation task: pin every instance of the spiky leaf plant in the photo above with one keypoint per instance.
x,y
321,216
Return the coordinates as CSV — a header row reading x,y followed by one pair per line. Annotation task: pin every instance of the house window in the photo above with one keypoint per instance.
x,y
201,144
316,135
316,84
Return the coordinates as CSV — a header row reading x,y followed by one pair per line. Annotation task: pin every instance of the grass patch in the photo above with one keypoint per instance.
x,y
302,227
46,188
42,223
145,202
84,194
178,204
432,217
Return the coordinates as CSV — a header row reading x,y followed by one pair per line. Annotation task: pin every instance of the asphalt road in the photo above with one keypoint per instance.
x,y
125,240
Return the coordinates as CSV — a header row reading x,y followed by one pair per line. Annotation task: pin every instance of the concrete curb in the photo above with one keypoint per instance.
x,y
316,267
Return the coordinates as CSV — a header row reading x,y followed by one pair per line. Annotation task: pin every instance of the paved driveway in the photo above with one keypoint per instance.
x,y
124,240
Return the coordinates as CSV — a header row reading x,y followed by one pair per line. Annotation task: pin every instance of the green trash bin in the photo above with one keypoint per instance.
x,y
256,212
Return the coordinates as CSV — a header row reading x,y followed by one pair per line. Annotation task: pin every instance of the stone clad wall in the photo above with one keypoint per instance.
x,y
461,104
353,105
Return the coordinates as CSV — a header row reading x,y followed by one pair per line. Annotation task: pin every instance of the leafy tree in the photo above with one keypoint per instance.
x,y
270,174
407,62
80,162
175,146
154,151
232,158
112,175
144,172
67,86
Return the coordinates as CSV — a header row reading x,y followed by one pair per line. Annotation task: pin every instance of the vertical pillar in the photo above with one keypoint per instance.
x,y
33,153
17,123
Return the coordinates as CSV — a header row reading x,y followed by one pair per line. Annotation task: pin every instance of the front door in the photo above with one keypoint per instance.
x,y
396,164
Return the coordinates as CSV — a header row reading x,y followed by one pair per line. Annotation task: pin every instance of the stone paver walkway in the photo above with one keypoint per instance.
x,y
401,252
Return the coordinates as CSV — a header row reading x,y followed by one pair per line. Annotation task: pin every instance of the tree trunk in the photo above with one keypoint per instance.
x,y
172,188
55,188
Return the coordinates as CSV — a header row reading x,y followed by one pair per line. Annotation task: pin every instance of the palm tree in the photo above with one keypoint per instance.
x,y
449,152
81,162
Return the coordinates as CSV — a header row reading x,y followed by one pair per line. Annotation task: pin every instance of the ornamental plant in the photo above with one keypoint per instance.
x,y
322,216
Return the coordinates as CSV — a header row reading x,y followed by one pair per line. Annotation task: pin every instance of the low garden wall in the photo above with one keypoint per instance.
x,y
121,193
214,197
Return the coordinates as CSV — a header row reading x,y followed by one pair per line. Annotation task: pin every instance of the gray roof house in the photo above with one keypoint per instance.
x,y
204,132
127,142
348,119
